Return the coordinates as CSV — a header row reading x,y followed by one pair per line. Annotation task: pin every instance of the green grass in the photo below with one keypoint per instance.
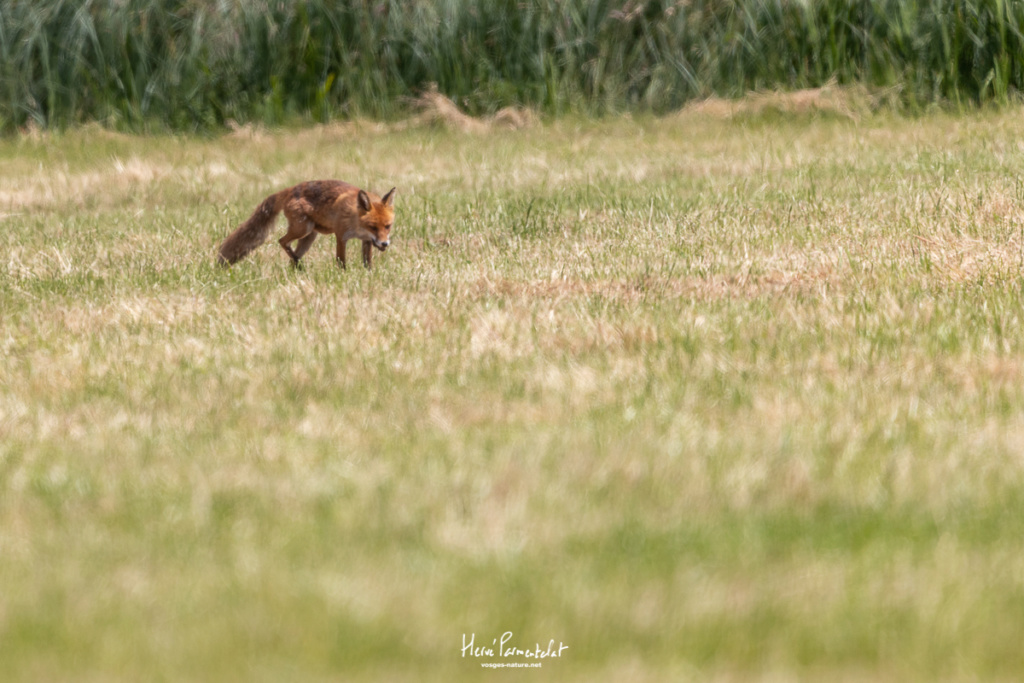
x,y
701,399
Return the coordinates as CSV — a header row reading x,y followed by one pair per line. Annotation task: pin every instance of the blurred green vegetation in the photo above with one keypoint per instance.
x,y
197,64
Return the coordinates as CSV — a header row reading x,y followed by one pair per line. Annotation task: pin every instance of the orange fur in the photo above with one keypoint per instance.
x,y
316,207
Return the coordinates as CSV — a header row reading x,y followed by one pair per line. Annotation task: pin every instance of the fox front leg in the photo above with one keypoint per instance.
x,y
341,252
367,254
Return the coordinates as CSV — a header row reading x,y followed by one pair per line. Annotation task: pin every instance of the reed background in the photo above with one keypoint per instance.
x,y
196,64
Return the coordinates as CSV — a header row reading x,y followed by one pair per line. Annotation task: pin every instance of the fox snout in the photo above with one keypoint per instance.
x,y
381,244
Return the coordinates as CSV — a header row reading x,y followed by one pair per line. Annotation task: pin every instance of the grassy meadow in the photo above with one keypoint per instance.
x,y
699,397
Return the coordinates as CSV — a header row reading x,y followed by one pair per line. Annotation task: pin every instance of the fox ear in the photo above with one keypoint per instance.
x,y
389,198
364,201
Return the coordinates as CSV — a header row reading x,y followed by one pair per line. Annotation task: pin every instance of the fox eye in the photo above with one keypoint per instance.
x,y
388,226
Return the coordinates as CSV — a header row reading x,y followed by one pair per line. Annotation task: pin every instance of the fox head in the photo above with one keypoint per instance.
x,y
376,215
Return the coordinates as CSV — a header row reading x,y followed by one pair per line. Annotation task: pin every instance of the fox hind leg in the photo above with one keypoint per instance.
x,y
303,246
300,227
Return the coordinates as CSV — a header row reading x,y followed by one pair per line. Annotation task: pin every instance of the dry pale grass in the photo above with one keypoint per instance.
x,y
50,187
435,109
853,102
702,399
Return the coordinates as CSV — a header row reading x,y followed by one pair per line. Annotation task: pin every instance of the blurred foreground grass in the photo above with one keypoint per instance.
x,y
698,398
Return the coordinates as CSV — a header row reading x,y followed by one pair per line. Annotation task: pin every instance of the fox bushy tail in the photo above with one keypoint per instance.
x,y
250,234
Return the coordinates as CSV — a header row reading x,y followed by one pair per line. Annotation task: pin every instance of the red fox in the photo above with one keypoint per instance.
x,y
317,206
